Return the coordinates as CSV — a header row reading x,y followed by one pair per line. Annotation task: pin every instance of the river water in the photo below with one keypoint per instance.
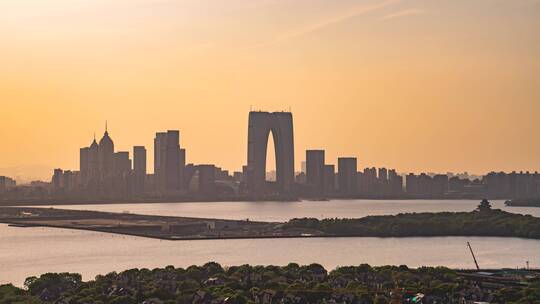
x,y
32,251
283,211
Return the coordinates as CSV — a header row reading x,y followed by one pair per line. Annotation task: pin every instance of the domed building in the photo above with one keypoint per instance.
x,y
106,156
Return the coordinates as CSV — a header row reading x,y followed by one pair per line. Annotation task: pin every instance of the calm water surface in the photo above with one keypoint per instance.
x,y
283,211
33,251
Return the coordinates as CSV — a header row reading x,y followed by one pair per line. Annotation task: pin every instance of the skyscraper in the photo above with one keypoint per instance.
x,y
315,169
207,179
106,159
182,163
139,168
329,178
347,175
92,178
169,161
160,150
83,164
172,160
260,125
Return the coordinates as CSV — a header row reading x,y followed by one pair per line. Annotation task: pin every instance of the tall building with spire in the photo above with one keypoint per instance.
x,y
92,177
106,157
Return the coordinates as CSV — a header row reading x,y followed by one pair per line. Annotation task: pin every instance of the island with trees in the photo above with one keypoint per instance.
x,y
214,284
484,221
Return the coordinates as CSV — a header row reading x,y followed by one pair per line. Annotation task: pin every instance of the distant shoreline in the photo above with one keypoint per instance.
x,y
523,203
172,200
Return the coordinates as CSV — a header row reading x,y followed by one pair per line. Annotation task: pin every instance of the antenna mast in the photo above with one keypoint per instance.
x,y
474,258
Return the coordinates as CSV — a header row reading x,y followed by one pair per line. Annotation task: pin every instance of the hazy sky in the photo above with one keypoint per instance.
x,y
416,85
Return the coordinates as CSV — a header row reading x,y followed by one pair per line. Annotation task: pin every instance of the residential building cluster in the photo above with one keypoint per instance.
x,y
6,184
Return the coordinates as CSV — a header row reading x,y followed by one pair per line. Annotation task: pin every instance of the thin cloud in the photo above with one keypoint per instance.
x,y
403,13
322,24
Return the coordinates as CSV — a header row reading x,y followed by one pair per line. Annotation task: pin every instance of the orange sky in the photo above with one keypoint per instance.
x,y
414,85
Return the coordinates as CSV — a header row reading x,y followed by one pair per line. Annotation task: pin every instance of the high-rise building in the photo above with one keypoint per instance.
x,y
92,178
207,179
169,161
160,151
122,164
182,163
6,183
106,159
84,156
329,178
139,168
396,182
57,181
172,160
383,174
260,125
347,175
315,169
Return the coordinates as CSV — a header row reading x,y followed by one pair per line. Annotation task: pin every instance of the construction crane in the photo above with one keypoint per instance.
x,y
474,258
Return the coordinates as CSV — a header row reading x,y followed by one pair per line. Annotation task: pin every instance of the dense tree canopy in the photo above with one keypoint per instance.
x,y
486,222
293,283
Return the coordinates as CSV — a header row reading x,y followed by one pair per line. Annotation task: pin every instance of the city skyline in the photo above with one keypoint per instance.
x,y
414,85
106,173
299,163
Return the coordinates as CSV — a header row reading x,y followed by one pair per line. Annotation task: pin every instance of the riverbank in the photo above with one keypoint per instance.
x,y
212,283
523,203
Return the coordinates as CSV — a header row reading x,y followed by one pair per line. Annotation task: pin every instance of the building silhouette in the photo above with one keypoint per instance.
x,y
169,161
106,164
139,169
315,170
260,125
329,178
105,173
6,183
347,175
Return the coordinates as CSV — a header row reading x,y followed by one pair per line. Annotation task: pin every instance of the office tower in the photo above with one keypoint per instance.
x,y
160,151
260,125
67,181
347,175
84,155
57,180
172,160
122,164
315,169
207,177
182,168
106,159
93,175
121,181
169,161
139,168
329,178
